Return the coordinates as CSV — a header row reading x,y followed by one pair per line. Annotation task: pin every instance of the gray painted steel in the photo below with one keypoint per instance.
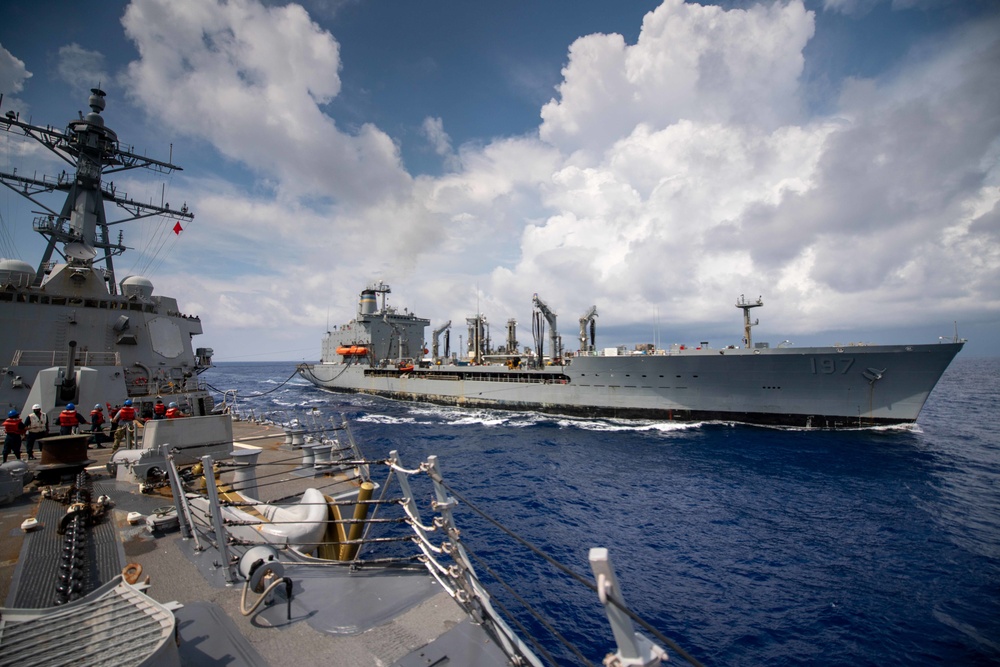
x,y
70,331
830,387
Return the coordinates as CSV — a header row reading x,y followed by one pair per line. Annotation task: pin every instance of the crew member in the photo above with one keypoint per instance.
x,y
159,409
112,425
69,419
37,426
173,412
97,425
14,429
125,420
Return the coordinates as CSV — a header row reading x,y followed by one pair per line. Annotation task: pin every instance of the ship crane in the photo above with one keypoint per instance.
x,y
747,324
434,345
588,318
539,330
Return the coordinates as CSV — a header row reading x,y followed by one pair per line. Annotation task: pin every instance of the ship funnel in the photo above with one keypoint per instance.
x,y
367,305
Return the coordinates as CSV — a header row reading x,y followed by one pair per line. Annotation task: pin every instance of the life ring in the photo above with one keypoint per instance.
x,y
139,381
131,573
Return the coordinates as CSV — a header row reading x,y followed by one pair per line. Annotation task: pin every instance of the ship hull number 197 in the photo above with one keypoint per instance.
x,y
831,365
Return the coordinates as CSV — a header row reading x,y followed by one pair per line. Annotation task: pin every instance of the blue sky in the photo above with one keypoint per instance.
x,y
657,160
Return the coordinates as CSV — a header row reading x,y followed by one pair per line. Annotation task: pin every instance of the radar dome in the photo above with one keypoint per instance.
x,y
137,286
16,272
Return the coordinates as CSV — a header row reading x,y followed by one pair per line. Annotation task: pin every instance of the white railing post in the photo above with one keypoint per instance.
x,y
634,649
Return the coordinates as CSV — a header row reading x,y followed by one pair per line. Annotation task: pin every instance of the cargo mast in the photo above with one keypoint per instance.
x,y
747,324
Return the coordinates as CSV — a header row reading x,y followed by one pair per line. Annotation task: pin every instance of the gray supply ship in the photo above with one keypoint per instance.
x,y
383,352
69,331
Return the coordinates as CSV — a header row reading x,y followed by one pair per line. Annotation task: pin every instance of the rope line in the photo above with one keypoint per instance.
x,y
531,610
586,582
269,391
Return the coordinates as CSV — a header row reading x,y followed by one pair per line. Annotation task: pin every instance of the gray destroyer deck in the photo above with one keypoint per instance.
x,y
339,615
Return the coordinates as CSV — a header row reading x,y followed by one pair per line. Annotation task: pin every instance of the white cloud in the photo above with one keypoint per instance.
x,y
82,69
251,80
690,63
668,176
13,74
734,193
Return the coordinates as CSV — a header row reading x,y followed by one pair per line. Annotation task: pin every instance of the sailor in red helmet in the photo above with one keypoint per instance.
x,y
125,420
69,419
14,429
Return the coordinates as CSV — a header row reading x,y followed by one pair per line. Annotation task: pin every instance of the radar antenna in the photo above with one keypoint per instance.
x,y
92,150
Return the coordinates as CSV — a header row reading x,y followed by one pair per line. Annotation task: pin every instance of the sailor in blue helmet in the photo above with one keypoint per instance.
x,y
14,429
69,419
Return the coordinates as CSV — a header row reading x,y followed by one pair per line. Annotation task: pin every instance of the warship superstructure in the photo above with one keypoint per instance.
x,y
69,331
291,566
383,352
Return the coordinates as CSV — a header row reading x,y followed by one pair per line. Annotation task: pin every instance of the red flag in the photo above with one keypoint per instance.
x,y
177,228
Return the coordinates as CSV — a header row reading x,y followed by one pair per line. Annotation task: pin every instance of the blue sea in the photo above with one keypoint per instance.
x,y
744,545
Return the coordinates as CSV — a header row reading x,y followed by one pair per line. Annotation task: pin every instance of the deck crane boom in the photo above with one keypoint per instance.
x,y
588,318
550,317
436,335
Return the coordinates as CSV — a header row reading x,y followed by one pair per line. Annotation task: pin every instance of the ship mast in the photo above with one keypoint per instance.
x,y
92,151
747,324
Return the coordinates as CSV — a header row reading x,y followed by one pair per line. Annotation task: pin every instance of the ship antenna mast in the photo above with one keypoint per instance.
x,y
747,324
92,150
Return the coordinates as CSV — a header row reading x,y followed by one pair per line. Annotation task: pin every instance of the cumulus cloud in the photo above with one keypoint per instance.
x,y
668,176
691,175
13,74
690,63
82,69
251,80
440,142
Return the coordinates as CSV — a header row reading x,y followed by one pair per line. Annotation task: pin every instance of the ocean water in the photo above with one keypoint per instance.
x,y
745,545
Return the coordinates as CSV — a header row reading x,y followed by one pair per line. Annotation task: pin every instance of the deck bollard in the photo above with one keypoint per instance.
x,y
295,437
323,461
245,477
308,457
